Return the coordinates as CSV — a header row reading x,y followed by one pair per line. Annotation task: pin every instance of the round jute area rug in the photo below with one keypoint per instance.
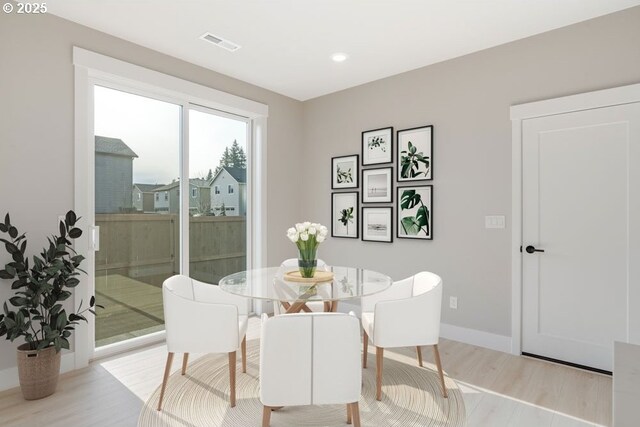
x,y
411,397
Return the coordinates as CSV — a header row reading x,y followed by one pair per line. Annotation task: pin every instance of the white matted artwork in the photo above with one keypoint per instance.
x,y
377,146
377,224
415,154
376,185
344,172
415,212
344,215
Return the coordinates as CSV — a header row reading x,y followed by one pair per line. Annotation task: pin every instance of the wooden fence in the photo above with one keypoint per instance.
x,y
147,246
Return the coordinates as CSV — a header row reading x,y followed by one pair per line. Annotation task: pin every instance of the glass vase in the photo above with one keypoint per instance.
x,y
307,263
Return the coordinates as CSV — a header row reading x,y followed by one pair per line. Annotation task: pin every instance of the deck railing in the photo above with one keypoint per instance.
x,y
148,245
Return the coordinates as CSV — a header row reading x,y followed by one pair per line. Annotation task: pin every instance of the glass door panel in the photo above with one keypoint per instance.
x,y
218,160
137,207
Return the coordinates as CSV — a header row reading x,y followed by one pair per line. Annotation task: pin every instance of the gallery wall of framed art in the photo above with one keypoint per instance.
x,y
412,213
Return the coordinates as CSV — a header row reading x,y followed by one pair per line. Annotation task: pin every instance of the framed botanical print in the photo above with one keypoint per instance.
x,y
344,215
415,212
415,154
344,172
377,224
377,146
376,185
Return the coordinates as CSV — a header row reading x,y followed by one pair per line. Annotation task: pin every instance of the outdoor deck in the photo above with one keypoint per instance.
x,y
131,307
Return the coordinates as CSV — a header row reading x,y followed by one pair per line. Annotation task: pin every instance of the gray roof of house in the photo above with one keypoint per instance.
x,y
239,174
198,182
148,188
113,146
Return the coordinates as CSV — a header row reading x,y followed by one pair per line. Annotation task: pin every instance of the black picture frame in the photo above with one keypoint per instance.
x,y
354,161
423,140
388,210
367,197
401,230
377,155
336,208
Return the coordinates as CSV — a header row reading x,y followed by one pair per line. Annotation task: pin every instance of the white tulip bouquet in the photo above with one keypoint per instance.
x,y
307,236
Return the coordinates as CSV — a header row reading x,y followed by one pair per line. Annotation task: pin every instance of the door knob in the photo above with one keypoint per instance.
x,y
531,249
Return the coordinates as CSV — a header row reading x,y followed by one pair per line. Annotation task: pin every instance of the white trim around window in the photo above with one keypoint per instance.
x,y
92,68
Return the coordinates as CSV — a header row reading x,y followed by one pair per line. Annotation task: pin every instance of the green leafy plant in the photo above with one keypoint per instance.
x,y
377,142
344,176
412,225
410,161
41,287
346,216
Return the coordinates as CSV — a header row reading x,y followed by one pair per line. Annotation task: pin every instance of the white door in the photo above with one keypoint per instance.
x,y
581,206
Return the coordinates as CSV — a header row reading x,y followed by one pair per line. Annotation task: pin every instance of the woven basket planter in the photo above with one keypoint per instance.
x,y
38,371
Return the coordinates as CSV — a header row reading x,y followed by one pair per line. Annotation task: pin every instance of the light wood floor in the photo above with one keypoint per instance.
x,y
499,390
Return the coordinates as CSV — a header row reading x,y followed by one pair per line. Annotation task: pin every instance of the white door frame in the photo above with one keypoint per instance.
x,y
566,104
91,67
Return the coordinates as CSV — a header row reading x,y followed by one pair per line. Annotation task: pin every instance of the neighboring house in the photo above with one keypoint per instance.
x,y
166,199
114,175
229,189
143,197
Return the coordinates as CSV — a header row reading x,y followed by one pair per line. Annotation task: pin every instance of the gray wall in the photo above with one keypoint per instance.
x,y
467,100
114,175
37,119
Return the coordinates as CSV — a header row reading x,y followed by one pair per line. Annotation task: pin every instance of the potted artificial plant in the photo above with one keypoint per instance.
x,y
35,313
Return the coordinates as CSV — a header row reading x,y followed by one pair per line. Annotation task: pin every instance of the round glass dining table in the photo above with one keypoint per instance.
x,y
271,284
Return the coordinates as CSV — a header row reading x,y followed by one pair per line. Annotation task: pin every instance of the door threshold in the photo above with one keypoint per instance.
x,y
573,365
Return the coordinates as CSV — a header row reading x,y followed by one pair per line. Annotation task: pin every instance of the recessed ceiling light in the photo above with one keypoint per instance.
x,y
339,57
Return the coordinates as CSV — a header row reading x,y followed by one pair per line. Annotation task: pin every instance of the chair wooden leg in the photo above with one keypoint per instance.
x,y
436,354
185,360
348,413
379,359
243,347
419,355
355,414
167,370
365,347
266,416
232,378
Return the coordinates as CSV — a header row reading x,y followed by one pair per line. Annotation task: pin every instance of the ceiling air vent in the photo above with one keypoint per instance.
x,y
219,41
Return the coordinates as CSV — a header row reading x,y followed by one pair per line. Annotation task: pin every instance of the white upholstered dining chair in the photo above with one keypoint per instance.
x,y
201,318
405,315
310,359
292,264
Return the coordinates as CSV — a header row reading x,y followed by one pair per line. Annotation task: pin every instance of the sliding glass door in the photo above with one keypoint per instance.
x,y
137,210
218,161
143,209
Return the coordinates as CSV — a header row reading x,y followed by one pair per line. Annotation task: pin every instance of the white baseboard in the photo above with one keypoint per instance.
x,y
9,376
476,337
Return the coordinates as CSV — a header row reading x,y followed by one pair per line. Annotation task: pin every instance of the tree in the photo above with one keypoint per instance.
x,y
209,175
238,157
232,157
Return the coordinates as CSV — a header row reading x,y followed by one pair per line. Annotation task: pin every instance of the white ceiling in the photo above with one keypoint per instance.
x,y
287,44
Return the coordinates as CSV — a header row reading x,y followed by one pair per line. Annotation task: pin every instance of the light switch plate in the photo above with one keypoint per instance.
x,y
494,221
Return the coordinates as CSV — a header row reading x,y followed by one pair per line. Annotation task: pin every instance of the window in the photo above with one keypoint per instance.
x,y
230,189
176,103
138,196
194,193
216,189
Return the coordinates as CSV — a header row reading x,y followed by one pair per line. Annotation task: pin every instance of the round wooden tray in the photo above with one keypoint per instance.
x,y
319,277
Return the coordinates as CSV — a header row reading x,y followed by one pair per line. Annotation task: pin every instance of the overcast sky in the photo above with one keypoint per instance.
x,y
151,129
